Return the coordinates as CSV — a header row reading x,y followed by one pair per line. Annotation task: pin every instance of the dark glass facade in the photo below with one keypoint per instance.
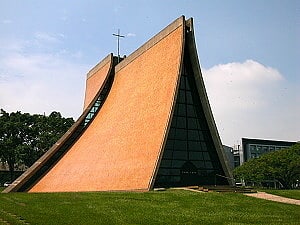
x,y
189,157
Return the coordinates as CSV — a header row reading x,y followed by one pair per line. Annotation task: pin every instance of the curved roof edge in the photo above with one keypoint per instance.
x,y
205,101
108,59
102,63
179,22
150,43
112,151
75,130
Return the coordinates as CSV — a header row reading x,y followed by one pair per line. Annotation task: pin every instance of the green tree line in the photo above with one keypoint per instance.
x,y
25,137
282,165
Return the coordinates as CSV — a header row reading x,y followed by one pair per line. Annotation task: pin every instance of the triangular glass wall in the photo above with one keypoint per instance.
x,y
190,156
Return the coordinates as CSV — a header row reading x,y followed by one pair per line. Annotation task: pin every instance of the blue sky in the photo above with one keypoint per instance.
x,y
249,53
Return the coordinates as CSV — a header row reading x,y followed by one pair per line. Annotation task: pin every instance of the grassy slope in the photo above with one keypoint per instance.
x,y
295,194
170,207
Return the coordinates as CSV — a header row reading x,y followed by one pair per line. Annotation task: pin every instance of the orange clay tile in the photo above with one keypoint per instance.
x,y
96,78
122,145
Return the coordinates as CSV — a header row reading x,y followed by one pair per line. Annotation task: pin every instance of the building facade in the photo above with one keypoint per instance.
x,y
253,148
146,123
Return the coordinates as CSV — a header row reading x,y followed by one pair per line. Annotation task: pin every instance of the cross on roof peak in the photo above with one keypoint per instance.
x,y
118,35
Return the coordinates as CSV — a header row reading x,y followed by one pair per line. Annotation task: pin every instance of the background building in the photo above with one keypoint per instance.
x,y
253,148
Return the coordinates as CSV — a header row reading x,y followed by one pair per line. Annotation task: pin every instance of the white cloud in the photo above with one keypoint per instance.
x,y
11,45
46,37
7,21
242,83
39,82
131,35
252,100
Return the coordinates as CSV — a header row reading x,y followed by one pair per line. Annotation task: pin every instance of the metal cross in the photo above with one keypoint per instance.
x,y
119,36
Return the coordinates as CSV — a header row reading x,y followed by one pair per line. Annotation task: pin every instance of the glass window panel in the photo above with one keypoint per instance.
x,y
160,177
167,154
206,135
196,99
171,133
187,84
181,122
191,111
163,171
184,71
169,144
202,125
181,134
203,146
192,123
180,145
193,135
174,172
182,83
194,146
200,164
197,163
175,178
195,156
201,136
93,109
173,123
206,156
189,99
265,149
176,110
177,163
208,165
210,146
180,155
181,96
200,113
166,163
181,109
252,148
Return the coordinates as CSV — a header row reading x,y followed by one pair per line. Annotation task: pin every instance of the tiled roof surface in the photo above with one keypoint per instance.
x,y
121,147
96,78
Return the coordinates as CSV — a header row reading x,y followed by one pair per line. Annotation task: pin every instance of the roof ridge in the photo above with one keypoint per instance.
x,y
151,42
102,63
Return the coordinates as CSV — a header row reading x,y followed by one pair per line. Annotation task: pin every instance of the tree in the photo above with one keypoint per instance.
x,y
46,131
282,165
24,137
11,138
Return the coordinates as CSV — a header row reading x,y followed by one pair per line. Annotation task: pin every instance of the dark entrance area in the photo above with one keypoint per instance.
x,y
188,174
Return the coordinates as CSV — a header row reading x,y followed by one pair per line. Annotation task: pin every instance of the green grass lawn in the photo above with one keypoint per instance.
x,y
166,207
295,194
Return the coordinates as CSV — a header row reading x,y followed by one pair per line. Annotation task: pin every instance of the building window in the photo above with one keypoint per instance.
x,y
252,148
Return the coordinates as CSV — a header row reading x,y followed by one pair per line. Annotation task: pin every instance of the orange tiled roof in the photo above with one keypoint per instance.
x,y
122,145
95,79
